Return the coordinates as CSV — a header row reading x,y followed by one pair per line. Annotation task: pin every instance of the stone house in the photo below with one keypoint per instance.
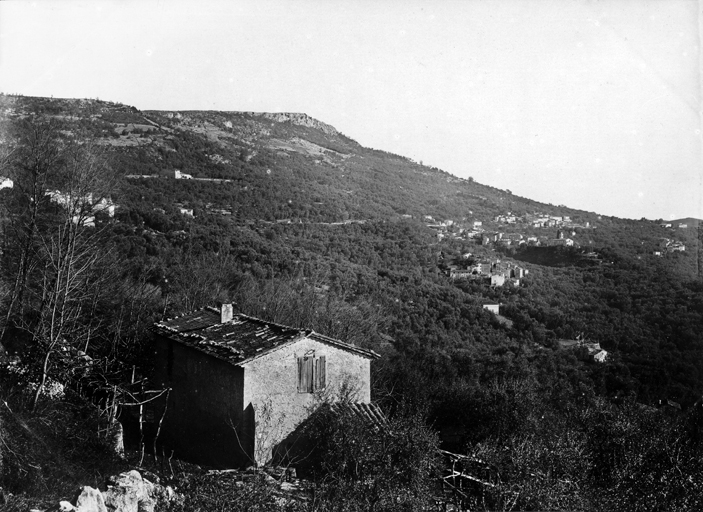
x,y
600,357
240,385
460,273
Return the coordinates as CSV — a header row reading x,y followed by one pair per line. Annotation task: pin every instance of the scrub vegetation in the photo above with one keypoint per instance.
x,y
298,224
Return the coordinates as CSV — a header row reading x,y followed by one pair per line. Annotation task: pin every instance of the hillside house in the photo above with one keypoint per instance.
x,y
181,175
590,350
515,237
460,273
563,242
478,267
493,307
240,385
488,238
600,357
82,205
6,182
497,280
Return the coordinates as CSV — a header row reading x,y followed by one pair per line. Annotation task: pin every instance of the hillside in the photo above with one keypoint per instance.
x,y
299,224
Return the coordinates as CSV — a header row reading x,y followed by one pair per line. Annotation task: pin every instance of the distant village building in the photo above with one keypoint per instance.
x,y
563,242
593,351
517,272
600,356
460,273
181,175
82,206
515,238
488,238
497,280
493,307
477,267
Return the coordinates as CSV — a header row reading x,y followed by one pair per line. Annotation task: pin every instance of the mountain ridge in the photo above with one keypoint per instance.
x,y
124,115
292,167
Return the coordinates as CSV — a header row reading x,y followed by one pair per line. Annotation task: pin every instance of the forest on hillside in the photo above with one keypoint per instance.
x,y
81,285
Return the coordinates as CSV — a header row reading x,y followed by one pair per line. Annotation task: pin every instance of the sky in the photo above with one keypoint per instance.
x,y
595,105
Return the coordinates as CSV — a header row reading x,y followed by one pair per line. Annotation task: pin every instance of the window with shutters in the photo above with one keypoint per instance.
x,y
312,373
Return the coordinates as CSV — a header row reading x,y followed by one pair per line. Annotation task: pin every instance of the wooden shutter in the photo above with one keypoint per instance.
x,y
320,372
309,370
305,374
301,388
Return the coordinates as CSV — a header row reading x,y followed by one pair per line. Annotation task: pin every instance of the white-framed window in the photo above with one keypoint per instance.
x,y
312,373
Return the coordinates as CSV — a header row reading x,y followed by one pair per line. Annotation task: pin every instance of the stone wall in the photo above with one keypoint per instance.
x,y
271,389
222,415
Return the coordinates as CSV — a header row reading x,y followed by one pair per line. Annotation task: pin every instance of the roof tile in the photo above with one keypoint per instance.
x,y
242,338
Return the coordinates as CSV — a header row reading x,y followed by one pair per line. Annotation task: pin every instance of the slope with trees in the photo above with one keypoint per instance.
x,y
78,297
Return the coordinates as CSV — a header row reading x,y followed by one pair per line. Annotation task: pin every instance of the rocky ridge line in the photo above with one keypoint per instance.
x,y
299,119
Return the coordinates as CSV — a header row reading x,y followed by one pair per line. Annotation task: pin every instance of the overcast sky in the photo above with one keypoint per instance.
x,y
591,104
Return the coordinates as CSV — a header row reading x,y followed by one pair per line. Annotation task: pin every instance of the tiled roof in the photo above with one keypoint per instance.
x,y
370,414
241,339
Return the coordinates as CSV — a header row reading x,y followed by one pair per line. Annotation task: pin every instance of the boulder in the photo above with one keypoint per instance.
x,y
129,492
86,500
126,492
89,500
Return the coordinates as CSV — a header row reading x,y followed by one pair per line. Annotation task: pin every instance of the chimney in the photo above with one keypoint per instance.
x,y
226,313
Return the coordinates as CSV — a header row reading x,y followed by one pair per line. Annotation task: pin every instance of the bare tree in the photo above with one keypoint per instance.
x,y
55,251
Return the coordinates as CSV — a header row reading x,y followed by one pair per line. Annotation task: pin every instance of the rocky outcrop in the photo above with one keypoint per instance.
x,y
126,492
296,118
